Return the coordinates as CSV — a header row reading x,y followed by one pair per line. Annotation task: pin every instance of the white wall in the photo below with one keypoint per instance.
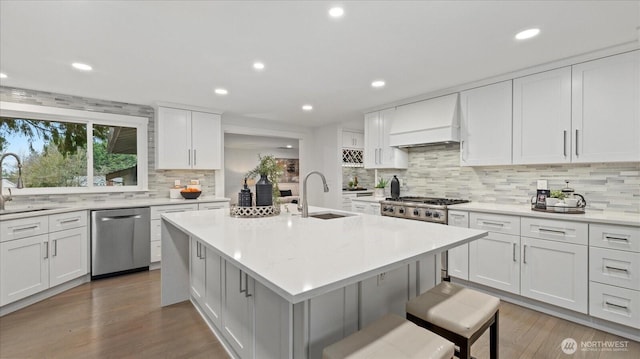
x,y
237,162
326,158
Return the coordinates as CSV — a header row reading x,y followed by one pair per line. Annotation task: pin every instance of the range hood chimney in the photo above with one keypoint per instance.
x,y
426,122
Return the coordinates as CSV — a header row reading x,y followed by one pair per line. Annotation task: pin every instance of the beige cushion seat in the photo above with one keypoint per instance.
x,y
391,337
457,313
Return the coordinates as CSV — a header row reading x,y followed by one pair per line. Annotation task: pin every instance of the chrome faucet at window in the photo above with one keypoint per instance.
x,y
305,202
4,198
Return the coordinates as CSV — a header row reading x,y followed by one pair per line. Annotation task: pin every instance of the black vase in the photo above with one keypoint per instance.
x,y
264,192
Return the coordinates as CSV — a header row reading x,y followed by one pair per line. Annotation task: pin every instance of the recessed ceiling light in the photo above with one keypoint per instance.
x,y
378,84
82,67
307,107
336,12
258,66
527,34
289,146
221,91
3,76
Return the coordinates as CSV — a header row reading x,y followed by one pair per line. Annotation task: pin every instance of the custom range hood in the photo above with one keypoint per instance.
x,y
426,122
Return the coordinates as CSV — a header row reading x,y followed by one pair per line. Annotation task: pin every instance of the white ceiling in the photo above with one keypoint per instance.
x,y
179,51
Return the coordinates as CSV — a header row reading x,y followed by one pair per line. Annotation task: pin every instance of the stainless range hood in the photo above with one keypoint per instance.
x,y
426,122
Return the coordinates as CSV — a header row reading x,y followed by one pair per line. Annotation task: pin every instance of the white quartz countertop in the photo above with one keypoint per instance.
x,y
300,258
57,207
620,218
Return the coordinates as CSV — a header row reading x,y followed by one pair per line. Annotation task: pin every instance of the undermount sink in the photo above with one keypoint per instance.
x,y
330,215
26,210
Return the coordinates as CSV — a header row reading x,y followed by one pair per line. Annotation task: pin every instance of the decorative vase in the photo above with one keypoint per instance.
x,y
378,192
264,191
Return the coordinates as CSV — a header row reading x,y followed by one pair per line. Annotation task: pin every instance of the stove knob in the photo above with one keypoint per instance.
x,y
427,213
416,212
401,210
389,209
436,214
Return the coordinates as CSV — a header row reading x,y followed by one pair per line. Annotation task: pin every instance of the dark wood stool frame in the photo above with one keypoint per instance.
x,y
462,342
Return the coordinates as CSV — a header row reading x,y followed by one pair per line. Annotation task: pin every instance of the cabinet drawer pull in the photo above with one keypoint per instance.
x,y
25,228
495,224
514,252
618,269
552,231
617,238
70,220
616,305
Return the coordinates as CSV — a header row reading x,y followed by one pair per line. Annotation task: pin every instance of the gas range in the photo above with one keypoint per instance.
x,y
426,209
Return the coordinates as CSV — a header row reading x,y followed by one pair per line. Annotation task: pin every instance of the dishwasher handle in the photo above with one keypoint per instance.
x,y
132,216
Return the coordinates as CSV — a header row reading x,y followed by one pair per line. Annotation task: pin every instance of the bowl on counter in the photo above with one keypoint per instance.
x,y
190,194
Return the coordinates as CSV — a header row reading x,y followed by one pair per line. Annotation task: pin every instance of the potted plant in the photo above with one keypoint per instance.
x,y
379,189
270,170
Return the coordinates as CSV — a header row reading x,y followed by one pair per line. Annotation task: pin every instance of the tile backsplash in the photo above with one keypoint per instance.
x,y
159,180
435,171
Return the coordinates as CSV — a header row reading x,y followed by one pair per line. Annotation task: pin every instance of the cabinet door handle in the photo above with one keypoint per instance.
x,y
616,305
195,159
462,150
54,252
198,249
514,252
552,231
618,269
189,157
564,143
246,288
524,254
46,250
577,142
617,238
240,279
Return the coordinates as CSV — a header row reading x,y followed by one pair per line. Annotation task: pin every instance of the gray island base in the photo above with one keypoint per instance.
x,y
286,286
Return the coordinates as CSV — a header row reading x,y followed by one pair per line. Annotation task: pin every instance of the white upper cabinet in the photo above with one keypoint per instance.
x,y
606,109
377,152
188,139
542,117
352,139
486,125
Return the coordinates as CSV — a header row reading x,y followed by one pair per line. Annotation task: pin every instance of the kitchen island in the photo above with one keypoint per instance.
x,y
286,286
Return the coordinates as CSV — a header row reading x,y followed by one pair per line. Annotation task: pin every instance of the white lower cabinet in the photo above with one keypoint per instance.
x,y
458,258
213,286
554,273
30,264
156,212
238,310
197,268
494,261
24,268
68,253
619,305
365,207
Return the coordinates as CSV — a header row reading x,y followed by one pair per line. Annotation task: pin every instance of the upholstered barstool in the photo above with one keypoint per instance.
x,y
458,314
390,337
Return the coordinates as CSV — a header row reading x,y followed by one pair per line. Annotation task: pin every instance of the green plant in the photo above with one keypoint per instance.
x,y
558,194
382,183
270,167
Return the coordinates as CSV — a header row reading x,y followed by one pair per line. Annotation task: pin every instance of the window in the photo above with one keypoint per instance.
x,y
72,151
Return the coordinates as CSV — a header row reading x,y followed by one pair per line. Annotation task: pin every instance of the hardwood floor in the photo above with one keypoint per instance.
x,y
121,317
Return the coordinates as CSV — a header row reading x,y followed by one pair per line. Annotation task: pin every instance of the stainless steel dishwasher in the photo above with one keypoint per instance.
x,y
120,241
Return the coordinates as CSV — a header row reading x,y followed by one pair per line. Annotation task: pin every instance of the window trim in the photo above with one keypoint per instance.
x,y
37,112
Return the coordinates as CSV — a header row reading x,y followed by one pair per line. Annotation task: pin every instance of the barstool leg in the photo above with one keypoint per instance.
x,y
493,337
465,349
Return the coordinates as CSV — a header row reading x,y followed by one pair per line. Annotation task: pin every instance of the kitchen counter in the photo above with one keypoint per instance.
x,y
299,258
620,218
55,208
